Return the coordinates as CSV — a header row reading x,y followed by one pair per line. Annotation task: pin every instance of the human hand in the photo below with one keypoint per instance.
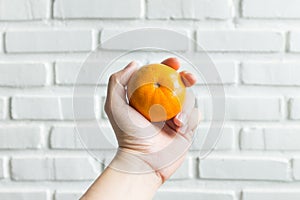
x,y
146,146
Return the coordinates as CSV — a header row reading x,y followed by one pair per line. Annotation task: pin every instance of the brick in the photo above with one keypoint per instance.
x,y
245,168
35,107
191,9
225,142
3,108
194,195
20,137
50,108
32,168
184,171
23,74
54,168
67,72
24,195
69,9
286,9
48,41
76,168
253,108
294,41
244,108
68,195
271,139
294,108
271,73
282,138
24,9
240,41
296,168
64,137
252,139
227,71
1,168
268,194
146,37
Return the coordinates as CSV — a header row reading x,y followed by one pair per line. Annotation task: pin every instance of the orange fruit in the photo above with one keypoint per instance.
x,y
157,92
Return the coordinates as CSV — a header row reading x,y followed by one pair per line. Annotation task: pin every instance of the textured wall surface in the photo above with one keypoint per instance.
x,y
255,45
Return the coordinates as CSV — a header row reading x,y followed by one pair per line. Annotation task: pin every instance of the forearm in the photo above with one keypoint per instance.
x,y
116,185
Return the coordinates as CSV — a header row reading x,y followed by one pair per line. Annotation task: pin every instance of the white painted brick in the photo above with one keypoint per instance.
x,y
252,139
31,168
244,108
270,8
64,137
190,9
227,71
85,104
23,194
2,108
31,107
1,168
271,73
184,171
194,195
295,108
48,41
24,9
54,168
243,168
240,41
51,107
23,74
76,168
225,142
67,72
270,138
294,43
282,138
20,137
1,42
146,37
267,194
68,9
253,108
296,168
68,195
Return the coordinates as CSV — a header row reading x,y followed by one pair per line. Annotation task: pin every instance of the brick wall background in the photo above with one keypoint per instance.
x,y
254,43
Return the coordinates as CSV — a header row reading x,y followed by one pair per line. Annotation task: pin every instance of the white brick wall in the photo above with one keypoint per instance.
x,y
20,137
272,73
98,9
271,9
54,168
190,9
255,45
25,195
244,168
194,195
240,40
48,41
24,9
281,194
295,108
20,74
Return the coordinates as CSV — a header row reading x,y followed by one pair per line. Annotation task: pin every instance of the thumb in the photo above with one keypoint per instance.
x,y
116,93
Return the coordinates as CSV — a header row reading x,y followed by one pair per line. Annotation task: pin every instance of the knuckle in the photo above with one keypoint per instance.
x,y
113,78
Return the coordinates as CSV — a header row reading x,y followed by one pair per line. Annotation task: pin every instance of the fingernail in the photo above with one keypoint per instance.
x,y
182,118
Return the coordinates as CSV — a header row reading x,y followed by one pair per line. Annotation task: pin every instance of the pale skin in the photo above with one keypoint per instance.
x,y
114,184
